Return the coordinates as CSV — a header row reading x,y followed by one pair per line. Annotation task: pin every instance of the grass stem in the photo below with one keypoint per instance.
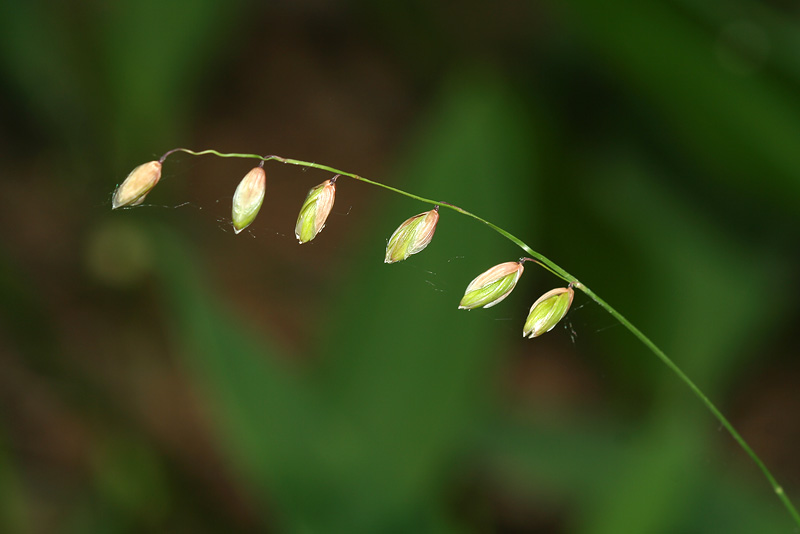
x,y
559,272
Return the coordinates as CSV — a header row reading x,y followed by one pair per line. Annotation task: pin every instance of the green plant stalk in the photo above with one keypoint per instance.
x,y
561,273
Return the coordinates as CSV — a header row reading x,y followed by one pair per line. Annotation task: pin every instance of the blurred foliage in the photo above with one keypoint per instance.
x,y
160,375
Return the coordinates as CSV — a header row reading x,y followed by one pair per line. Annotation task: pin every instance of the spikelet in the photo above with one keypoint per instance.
x,y
412,236
315,210
547,311
248,198
136,186
492,286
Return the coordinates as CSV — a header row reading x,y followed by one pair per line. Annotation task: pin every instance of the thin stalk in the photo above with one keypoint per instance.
x,y
557,270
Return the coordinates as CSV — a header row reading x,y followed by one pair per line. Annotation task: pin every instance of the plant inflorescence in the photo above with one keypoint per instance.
x,y
412,237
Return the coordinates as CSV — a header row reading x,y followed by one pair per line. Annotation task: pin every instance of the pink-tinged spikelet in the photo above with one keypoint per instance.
x,y
315,210
547,311
412,236
136,186
248,198
492,286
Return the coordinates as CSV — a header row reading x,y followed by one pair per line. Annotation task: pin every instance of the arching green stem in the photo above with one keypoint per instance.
x,y
561,273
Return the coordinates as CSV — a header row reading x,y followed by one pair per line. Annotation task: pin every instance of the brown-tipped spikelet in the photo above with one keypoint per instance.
x,y
412,236
547,311
136,186
248,198
492,286
315,210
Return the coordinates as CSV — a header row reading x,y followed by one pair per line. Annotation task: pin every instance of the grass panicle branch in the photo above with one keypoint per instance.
x,y
134,192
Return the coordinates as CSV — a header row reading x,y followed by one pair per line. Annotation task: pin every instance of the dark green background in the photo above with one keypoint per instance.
x,y
160,374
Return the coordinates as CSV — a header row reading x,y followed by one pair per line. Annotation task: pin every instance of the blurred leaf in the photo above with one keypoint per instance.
x,y
129,475
270,422
767,38
704,300
13,497
42,61
155,53
569,459
111,78
404,385
745,130
411,372
21,307
587,462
